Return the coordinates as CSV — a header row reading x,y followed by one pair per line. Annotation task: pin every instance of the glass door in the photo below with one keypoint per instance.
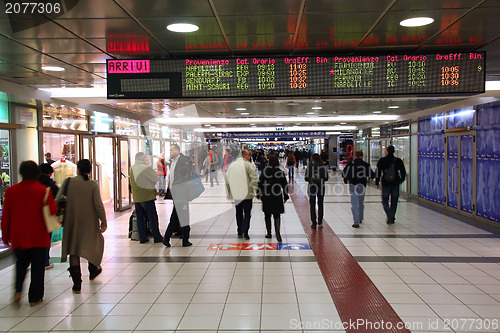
x,y
123,196
459,166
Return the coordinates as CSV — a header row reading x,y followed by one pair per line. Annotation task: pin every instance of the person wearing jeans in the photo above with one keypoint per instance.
x,y
356,174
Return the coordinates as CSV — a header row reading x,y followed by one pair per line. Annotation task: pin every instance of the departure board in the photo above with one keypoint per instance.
x,y
314,76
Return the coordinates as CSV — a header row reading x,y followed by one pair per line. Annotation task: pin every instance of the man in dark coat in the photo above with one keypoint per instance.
x,y
180,170
392,171
316,176
356,174
46,172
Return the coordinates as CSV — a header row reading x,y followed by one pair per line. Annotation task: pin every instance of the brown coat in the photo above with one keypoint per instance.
x,y
81,234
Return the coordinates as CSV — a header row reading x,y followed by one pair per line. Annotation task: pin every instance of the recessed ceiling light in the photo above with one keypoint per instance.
x,y
377,111
207,125
53,68
416,21
316,108
280,124
241,109
182,27
245,113
343,123
394,107
311,113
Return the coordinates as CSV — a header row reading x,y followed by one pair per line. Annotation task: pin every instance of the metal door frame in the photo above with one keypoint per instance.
x,y
118,203
459,135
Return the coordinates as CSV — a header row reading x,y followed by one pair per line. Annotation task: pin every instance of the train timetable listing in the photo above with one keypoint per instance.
x,y
389,74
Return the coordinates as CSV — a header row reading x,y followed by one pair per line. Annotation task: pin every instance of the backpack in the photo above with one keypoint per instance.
x,y
390,174
316,178
290,161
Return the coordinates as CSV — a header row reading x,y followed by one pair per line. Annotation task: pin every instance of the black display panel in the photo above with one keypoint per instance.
x,y
394,74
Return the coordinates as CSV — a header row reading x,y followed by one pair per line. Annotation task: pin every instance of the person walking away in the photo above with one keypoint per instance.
x,y
226,161
211,164
180,170
161,170
297,156
241,185
24,230
316,176
290,164
143,183
356,174
273,191
304,158
82,233
46,171
392,172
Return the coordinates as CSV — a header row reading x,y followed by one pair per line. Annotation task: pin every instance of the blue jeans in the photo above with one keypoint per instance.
x,y
357,201
147,208
312,207
161,184
393,192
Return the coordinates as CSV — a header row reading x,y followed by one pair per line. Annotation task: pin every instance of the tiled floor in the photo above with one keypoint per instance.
x,y
430,267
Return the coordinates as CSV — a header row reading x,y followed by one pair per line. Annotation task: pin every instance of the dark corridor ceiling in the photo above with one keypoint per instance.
x,y
87,32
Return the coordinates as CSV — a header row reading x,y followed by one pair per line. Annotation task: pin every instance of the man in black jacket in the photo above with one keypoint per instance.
x,y
392,171
180,170
356,174
46,172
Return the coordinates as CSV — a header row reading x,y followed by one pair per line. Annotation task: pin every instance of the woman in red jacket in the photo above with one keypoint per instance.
x,y
23,229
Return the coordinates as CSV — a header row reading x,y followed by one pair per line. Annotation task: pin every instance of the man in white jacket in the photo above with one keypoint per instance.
x,y
241,186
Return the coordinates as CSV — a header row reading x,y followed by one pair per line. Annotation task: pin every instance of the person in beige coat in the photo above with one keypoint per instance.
x,y
82,233
241,185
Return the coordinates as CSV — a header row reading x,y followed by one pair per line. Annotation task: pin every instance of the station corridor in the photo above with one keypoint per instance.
x,y
431,272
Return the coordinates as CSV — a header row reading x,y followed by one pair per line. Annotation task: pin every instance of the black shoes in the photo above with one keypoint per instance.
x,y
268,236
313,226
166,242
159,240
186,244
94,272
278,238
246,236
144,241
355,225
240,235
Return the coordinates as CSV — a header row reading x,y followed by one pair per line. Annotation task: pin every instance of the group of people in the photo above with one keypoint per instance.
x,y
390,172
24,229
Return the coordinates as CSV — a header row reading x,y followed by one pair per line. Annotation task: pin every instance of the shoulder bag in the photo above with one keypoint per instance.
x,y
51,221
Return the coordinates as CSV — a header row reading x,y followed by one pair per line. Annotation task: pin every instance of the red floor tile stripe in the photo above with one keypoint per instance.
x,y
356,297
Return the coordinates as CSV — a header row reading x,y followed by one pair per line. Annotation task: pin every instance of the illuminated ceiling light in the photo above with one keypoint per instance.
x,y
416,21
343,123
245,113
53,68
241,109
394,107
316,108
182,27
311,113
377,111
208,125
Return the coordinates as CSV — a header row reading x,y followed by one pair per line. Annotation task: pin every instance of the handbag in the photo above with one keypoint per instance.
x,y
51,221
62,202
197,185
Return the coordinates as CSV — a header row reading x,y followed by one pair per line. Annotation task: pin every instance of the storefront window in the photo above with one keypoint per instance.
x,y
127,127
60,146
4,171
4,108
63,117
